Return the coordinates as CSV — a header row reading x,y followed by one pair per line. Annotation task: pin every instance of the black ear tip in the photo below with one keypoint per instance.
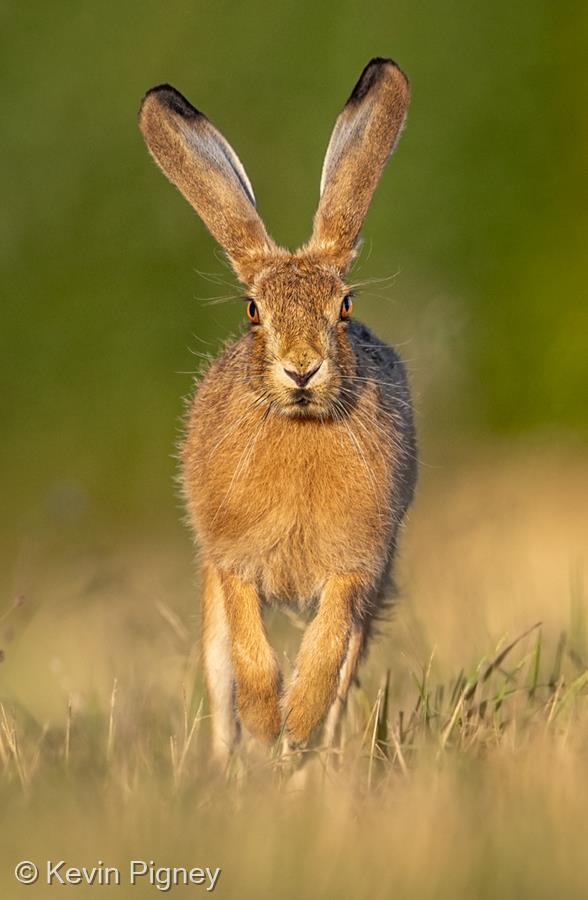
x,y
169,97
371,75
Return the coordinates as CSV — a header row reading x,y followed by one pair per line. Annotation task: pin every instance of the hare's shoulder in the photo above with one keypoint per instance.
x,y
375,358
380,363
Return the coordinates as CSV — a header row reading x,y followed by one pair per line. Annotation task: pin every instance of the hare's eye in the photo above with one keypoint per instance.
x,y
346,307
253,312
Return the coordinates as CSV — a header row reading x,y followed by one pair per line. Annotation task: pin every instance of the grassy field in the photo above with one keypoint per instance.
x,y
463,771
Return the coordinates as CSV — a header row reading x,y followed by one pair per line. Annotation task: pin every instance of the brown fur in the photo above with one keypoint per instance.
x,y
294,494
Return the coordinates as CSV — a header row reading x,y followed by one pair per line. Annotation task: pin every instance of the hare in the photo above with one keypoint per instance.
x,y
299,458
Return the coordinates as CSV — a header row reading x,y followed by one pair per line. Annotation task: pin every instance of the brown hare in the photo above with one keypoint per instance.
x,y
299,458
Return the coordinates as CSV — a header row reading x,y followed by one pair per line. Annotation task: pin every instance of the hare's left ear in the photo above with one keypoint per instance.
x,y
364,136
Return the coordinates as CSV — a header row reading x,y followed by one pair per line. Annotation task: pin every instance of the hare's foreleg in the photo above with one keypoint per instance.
x,y
322,655
218,666
257,673
346,676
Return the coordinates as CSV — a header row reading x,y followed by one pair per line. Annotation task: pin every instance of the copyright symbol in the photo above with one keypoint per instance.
x,y
26,872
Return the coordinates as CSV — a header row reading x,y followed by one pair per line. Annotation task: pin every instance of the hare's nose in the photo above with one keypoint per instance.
x,y
302,378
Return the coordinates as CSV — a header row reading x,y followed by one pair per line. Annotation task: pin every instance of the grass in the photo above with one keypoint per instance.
x,y
463,766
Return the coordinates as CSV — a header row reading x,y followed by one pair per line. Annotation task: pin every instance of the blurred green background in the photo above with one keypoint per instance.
x,y
480,220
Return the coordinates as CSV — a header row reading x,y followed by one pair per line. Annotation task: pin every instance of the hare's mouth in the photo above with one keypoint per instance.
x,y
302,398
305,403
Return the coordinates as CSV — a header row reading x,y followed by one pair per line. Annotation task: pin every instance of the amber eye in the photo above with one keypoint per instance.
x,y
253,312
346,307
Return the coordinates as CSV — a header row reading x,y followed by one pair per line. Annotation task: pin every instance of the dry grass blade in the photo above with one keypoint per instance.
x,y
557,664
382,731
8,727
292,616
66,748
179,762
535,668
4,758
498,660
553,702
453,719
111,721
376,716
399,753
173,620
16,604
422,705
173,752
571,691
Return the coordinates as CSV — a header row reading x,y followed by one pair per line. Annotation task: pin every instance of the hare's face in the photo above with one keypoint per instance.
x,y
301,357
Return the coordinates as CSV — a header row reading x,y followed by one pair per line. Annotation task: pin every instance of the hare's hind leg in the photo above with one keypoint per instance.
x,y
346,676
257,674
218,667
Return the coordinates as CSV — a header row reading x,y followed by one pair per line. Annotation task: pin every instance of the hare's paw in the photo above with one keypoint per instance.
x,y
306,705
258,702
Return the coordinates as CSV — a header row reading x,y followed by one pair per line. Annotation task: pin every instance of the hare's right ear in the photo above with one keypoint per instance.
x,y
198,160
364,136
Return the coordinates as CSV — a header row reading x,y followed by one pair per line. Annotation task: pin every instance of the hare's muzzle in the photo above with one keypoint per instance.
x,y
302,378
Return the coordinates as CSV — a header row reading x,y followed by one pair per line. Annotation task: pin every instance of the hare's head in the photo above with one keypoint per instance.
x,y
298,303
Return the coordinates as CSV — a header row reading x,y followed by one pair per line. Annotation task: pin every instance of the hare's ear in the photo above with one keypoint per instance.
x,y
363,138
203,166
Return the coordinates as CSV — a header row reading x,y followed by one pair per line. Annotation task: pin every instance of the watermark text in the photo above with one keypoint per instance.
x,y
139,871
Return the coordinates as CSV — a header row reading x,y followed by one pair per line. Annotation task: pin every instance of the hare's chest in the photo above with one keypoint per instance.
x,y
294,510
